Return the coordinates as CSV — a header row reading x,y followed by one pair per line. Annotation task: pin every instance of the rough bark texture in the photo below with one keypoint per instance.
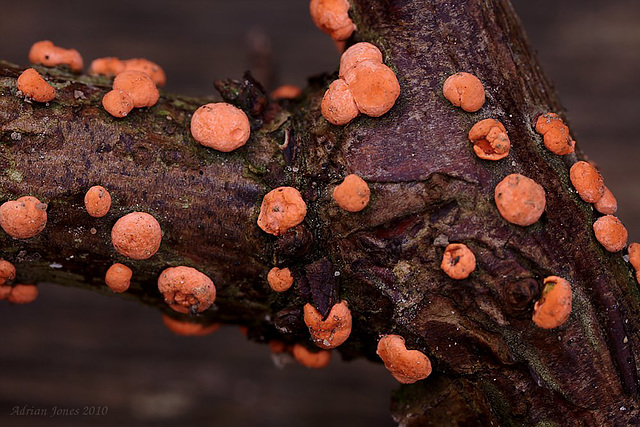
x,y
491,364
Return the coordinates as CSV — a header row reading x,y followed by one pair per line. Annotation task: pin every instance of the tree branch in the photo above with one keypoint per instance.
x,y
491,363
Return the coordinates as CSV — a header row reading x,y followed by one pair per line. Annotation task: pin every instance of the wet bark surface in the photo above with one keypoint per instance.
x,y
491,364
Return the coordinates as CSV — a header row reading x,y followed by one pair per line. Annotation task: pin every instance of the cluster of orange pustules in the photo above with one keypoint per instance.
x,y
332,17
519,199
555,134
16,294
365,85
131,89
589,184
112,67
134,86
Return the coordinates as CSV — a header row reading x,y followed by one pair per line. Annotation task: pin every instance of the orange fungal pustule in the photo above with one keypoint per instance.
x,y
406,366
5,291
607,205
186,289
108,66
33,86
286,92
332,331
555,134
352,194
220,126
136,235
458,261
23,294
24,217
7,271
610,233
279,279
338,105
464,90
188,329
490,140
282,208
520,200
138,86
357,53
150,68
118,277
117,103
46,53
97,201
587,181
332,17
374,86
311,359
554,306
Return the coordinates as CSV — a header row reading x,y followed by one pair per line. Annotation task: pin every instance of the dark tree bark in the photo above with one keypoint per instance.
x,y
491,363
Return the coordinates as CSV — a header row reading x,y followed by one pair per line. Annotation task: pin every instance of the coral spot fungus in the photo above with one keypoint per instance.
x,y
111,67
555,134
365,86
136,235
607,205
520,200
46,53
332,17
117,103
191,329
186,290
23,294
280,279
554,306
220,126
118,277
311,359
7,271
352,194
490,140
357,53
281,209
338,105
458,261
24,217
464,90
610,233
332,331
406,366
33,86
138,86
587,181
97,201
286,92
374,86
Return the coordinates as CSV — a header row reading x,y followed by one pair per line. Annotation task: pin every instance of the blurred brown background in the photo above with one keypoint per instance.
x,y
73,349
